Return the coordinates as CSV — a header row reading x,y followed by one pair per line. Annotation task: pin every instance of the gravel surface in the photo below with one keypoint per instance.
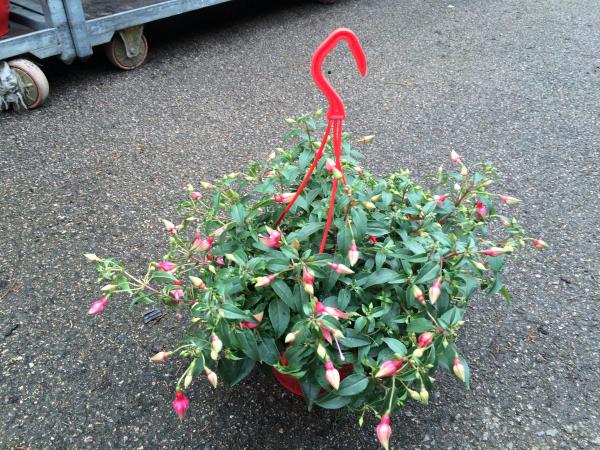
x,y
516,82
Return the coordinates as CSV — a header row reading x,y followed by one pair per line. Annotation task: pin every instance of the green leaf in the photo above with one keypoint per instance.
x,y
359,219
238,213
419,325
352,385
380,276
284,292
268,351
332,401
234,371
306,231
230,311
311,391
353,342
279,313
428,272
249,345
395,345
162,277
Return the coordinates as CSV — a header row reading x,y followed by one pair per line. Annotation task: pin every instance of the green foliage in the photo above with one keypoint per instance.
x,y
407,240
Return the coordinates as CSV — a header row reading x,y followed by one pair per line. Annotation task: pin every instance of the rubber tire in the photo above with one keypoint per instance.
x,y
36,83
116,53
326,2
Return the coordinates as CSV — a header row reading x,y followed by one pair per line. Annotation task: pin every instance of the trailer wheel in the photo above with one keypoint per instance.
x,y
35,84
116,53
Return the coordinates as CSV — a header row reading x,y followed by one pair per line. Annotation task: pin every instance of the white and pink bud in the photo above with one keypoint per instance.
x,y
177,293
455,157
258,317
332,375
418,294
170,226
215,343
353,254
91,257
98,306
384,431
219,231
206,185
509,200
263,281
180,404
341,268
435,291
196,195
459,369
291,337
495,251
481,211
273,240
389,368
166,266
329,165
286,197
425,339
161,356
211,377
337,173
366,139
439,199
320,308
197,282
538,243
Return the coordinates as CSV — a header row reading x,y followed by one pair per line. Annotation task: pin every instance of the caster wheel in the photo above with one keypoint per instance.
x,y
117,53
35,83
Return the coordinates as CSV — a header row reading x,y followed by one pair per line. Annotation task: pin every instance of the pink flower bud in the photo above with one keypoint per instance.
x,y
211,376
180,404
332,375
459,369
494,251
263,281
455,157
353,254
358,171
481,211
215,343
197,282
373,239
329,165
273,240
251,325
161,356
341,268
286,197
425,339
196,195
538,243
389,368
326,333
384,431
202,245
439,199
509,200
308,276
435,291
320,308
418,294
98,306
166,266
177,293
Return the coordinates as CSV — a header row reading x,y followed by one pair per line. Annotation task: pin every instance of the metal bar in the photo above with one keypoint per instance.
x,y
101,29
78,26
43,43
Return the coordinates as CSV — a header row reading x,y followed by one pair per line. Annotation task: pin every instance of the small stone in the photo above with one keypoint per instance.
x,y
552,432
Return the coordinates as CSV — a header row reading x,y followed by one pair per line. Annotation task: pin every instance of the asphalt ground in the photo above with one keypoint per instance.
x,y
514,82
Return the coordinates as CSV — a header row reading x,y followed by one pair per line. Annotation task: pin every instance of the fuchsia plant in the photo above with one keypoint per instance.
x,y
361,325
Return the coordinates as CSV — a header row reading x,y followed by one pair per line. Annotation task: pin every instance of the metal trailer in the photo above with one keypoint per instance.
x,y
72,28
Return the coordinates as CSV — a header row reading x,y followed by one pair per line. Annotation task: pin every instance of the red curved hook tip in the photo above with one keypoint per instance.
x,y
336,105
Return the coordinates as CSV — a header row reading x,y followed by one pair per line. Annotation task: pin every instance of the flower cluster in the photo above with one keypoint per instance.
x,y
363,325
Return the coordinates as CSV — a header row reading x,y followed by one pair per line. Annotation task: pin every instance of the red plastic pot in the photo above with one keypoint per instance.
x,y
291,384
4,7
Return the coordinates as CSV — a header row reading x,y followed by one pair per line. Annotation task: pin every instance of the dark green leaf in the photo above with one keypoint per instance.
x,y
332,401
352,385
395,345
419,325
279,313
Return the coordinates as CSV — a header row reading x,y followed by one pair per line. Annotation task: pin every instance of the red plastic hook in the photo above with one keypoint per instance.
x,y
336,115
336,105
